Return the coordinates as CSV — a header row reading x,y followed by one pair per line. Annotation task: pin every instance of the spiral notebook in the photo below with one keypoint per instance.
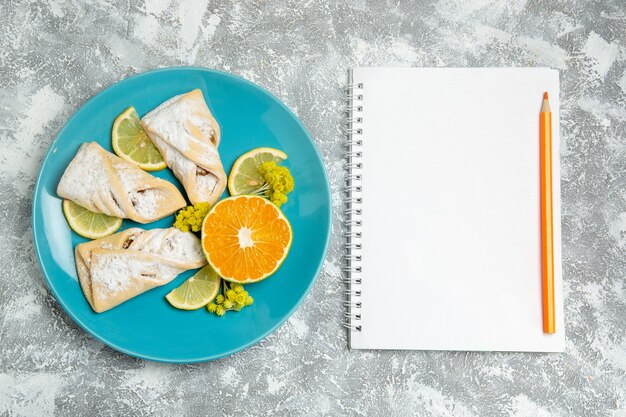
x,y
443,209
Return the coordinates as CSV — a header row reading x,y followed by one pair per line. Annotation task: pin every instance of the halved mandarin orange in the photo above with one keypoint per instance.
x,y
246,238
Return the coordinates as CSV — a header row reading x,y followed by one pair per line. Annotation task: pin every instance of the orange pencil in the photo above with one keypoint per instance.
x,y
547,235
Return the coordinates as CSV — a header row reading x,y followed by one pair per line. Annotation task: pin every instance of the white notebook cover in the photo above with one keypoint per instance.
x,y
451,211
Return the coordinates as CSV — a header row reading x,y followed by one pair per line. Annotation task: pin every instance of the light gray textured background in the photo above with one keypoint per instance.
x,y
54,55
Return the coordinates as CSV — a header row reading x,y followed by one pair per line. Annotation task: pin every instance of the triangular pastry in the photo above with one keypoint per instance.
x,y
187,135
119,267
104,183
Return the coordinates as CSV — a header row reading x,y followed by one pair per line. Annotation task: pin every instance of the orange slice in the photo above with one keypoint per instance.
x,y
246,238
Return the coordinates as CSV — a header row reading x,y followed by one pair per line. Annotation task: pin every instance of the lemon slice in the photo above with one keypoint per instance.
x,y
197,291
89,224
244,177
133,144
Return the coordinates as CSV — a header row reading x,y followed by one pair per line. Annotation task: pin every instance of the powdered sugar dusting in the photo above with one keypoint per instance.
x,y
114,272
90,182
169,129
144,199
111,270
86,182
147,201
170,120
206,183
170,243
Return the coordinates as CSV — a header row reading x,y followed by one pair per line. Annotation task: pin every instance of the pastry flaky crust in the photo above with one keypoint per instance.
x,y
104,183
187,135
119,267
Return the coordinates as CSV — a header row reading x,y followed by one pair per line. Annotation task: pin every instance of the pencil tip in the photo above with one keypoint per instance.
x,y
545,95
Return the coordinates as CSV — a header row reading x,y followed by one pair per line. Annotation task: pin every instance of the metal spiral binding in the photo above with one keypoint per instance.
x,y
353,206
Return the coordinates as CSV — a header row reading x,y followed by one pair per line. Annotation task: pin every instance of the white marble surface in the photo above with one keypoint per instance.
x,y
54,55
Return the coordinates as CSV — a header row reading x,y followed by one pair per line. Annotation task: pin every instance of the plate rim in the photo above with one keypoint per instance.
x,y
157,358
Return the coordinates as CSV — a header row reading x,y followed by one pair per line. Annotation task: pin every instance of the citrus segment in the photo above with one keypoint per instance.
x,y
131,143
197,291
246,238
89,224
244,177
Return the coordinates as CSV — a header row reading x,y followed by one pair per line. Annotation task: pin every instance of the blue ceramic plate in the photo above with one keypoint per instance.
x,y
147,326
